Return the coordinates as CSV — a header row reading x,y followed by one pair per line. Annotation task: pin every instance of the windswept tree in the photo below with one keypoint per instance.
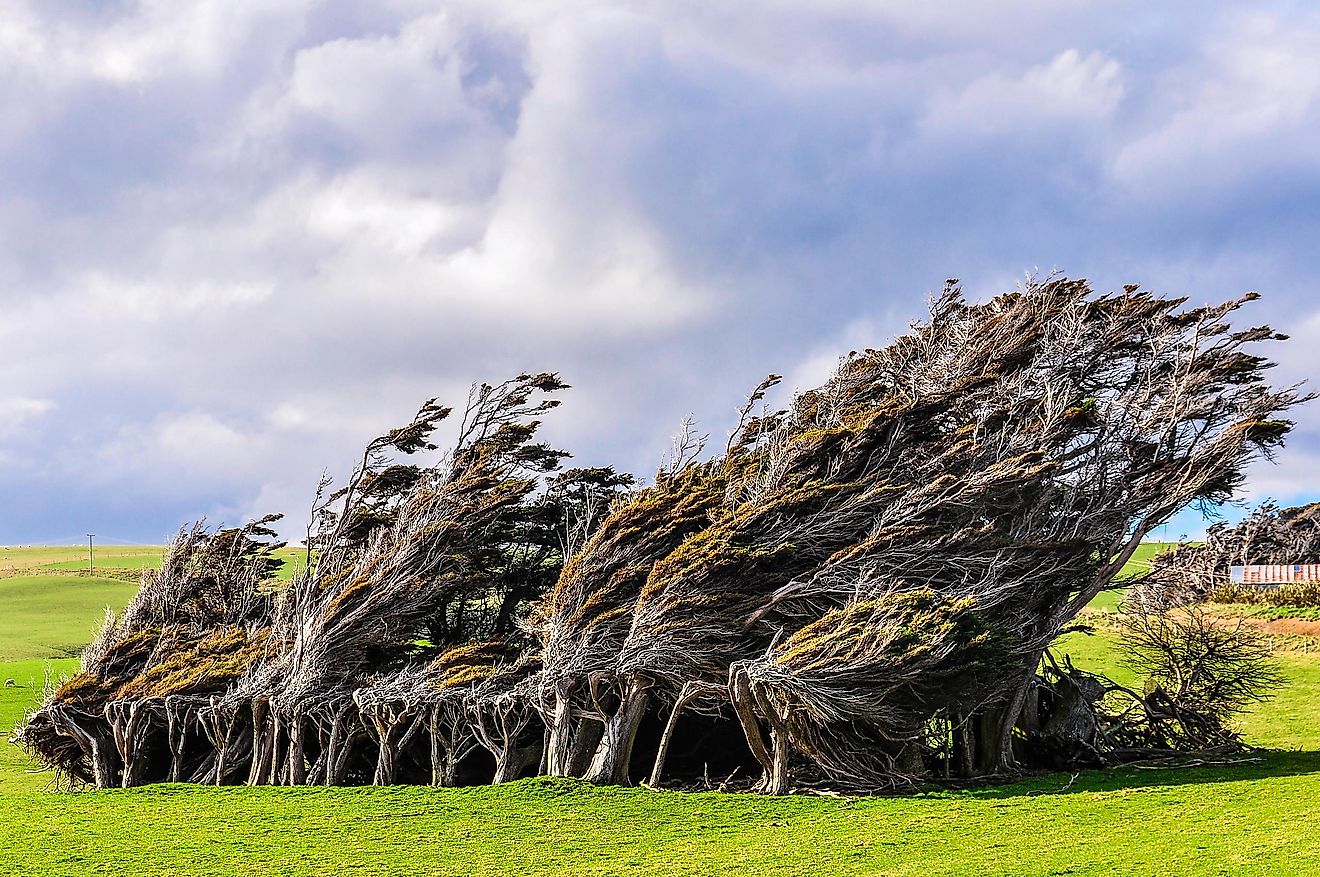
x,y
896,551
416,581
585,618
1192,573
191,631
859,591
1081,422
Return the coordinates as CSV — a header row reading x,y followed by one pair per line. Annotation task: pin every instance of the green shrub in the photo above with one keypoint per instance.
x,y
1293,594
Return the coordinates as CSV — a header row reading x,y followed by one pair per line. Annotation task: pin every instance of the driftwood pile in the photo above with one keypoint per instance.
x,y
859,592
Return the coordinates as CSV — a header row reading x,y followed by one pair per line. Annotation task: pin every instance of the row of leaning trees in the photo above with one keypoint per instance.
x,y
859,592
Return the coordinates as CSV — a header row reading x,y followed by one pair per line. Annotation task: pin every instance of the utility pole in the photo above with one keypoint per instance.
x,y
89,552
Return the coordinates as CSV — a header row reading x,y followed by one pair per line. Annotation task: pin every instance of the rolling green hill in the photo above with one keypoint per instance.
x,y
54,616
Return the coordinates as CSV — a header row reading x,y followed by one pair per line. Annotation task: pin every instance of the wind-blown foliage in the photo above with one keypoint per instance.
x,y
858,592
1192,573
192,630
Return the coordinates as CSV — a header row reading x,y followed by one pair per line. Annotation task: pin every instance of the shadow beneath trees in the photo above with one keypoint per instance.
x,y
1185,771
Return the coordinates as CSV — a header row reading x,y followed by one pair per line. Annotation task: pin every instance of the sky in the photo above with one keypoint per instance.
x,y
239,238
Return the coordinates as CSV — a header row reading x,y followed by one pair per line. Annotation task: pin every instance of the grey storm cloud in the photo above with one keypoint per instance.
x,y
238,238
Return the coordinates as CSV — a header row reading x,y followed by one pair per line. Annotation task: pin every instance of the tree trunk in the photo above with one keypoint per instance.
x,y
129,725
662,752
221,760
744,706
209,719
586,738
273,770
996,754
386,763
379,722
501,740
610,766
444,773
689,692
337,770
963,747
347,737
261,742
451,742
332,747
296,766
506,763
437,750
558,755
387,721
104,762
98,748
316,775
989,741
780,777
177,717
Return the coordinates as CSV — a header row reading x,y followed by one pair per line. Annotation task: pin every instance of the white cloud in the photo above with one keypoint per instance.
x,y
1072,88
238,239
188,444
363,209
157,39
19,412
419,68
1251,103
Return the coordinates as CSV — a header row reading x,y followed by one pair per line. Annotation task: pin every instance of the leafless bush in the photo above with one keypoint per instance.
x,y
1199,674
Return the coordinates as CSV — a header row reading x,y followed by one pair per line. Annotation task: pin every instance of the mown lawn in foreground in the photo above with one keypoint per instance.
x,y
1240,820
1250,818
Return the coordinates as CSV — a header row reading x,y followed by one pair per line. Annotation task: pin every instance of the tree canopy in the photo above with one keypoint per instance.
x,y
859,591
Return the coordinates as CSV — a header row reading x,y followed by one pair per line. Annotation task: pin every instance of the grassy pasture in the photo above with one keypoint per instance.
x,y
1240,819
115,560
1108,601
54,616
1140,561
35,558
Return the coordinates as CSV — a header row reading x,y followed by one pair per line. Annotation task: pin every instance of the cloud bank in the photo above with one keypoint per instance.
x,y
238,238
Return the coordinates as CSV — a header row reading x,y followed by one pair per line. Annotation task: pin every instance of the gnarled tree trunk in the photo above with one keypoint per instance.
x,y
610,764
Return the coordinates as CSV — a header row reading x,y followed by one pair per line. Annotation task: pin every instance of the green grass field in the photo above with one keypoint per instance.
x,y
113,560
31,627
35,558
1108,601
1253,818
